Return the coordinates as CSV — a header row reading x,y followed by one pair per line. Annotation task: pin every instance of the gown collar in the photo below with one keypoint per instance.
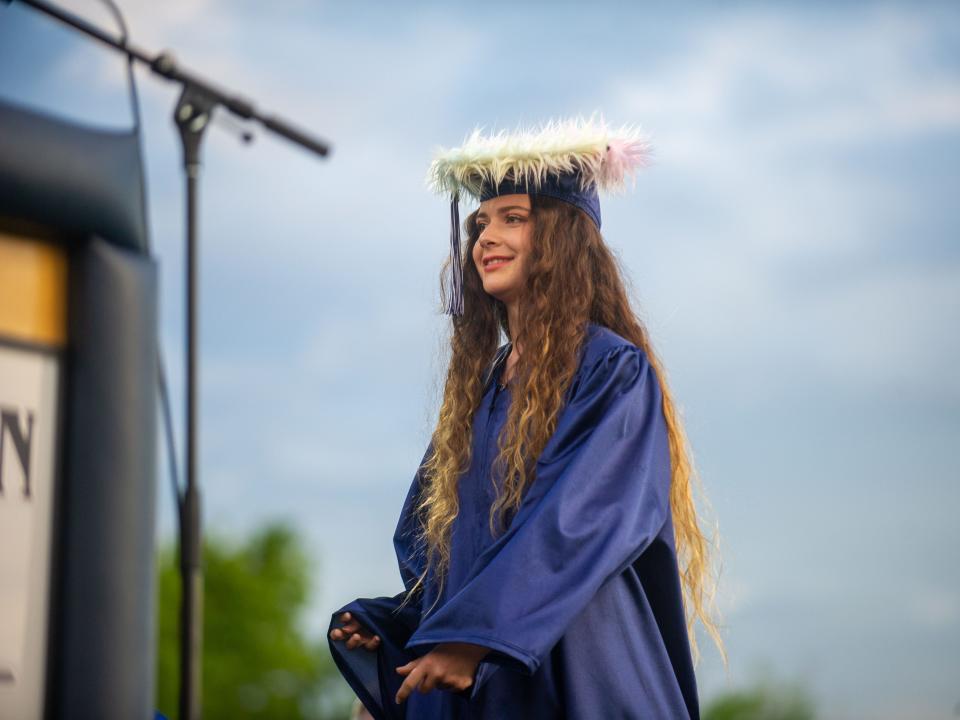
x,y
504,351
501,355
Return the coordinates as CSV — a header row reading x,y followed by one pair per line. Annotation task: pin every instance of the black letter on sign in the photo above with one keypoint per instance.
x,y
10,422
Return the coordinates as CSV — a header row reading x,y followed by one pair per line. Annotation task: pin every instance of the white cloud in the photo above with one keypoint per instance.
x,y
776,248
809,80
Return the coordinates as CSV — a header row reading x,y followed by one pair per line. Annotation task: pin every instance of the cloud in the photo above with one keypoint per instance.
x,y
781,80
770,241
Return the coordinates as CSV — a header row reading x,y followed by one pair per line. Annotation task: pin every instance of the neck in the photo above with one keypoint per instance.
x,y
513,321
514,325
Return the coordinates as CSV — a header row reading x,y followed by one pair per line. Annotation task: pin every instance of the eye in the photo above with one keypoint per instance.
x,y
480,226
518,218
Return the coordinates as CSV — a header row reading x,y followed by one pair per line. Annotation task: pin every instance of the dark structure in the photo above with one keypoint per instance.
x,y
81,189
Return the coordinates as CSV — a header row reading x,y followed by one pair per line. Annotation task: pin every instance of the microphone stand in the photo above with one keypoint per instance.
x,y
198,99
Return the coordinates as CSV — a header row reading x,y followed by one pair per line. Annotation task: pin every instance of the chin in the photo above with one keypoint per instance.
x,y
498,287
497,292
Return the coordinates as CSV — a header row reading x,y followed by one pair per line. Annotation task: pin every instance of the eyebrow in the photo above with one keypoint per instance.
x,y
503,210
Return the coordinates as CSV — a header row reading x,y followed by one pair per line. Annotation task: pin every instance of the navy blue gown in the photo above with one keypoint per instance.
x,y
579,600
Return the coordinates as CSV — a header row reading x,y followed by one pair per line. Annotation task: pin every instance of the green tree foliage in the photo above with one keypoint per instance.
x,y
763,702
257,662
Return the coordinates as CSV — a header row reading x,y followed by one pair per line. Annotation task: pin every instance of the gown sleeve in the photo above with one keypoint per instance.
x,y
600,497
372,675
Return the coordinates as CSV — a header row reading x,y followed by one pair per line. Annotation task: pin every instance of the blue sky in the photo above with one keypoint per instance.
x,y
793,250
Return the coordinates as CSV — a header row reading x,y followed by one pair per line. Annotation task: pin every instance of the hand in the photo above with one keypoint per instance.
x,y
449,666
355,633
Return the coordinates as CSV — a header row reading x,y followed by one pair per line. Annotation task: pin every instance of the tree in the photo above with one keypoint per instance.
x,y
766,701
257,662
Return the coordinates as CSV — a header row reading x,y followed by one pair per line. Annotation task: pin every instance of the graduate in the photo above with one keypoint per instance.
x,y
551,556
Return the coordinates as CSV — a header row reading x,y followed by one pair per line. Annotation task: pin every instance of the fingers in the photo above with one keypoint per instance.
x,y
355,634
428,683
371,644
404,669
355,640
410,684
351,625
425,677
354,627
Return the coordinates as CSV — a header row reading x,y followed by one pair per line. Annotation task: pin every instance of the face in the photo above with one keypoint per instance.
x,y
502,251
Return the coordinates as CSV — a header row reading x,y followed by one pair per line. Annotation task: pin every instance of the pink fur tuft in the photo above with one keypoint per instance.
x,y
622,159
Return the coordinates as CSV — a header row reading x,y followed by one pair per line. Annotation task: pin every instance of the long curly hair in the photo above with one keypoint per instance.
x,y
573,279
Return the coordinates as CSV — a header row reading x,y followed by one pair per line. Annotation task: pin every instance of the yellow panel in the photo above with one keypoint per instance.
x,y
33,290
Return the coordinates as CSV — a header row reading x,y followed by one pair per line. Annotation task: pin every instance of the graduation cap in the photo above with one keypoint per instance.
x,y
570,160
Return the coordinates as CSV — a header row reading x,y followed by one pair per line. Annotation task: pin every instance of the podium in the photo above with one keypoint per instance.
x,y
78,377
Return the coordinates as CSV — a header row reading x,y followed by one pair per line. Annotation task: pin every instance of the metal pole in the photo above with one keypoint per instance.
x,y
166,66
192,116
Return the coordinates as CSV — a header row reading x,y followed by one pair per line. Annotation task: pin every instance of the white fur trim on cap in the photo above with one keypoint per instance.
x,y
597,153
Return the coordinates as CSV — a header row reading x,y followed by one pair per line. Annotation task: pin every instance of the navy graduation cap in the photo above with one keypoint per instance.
x,y
569,160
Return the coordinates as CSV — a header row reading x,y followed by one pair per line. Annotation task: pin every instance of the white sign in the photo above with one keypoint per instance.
x,y
28,442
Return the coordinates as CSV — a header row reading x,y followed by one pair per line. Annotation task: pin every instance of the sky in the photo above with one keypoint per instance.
x,y
793,250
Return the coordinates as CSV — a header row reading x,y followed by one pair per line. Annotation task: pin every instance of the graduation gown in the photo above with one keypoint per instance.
x,y
580,599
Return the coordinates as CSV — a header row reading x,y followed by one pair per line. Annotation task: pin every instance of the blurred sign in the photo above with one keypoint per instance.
x,y
31,320
28,411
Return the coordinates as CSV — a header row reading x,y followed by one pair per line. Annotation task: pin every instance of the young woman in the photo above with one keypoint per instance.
x,y
541,541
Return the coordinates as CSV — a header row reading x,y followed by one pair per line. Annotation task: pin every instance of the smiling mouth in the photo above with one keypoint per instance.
x,y
495,263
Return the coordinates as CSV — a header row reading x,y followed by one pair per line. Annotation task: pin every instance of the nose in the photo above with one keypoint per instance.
x,y
486,239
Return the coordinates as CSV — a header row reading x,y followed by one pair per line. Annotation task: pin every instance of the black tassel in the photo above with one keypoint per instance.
x,y
455,294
